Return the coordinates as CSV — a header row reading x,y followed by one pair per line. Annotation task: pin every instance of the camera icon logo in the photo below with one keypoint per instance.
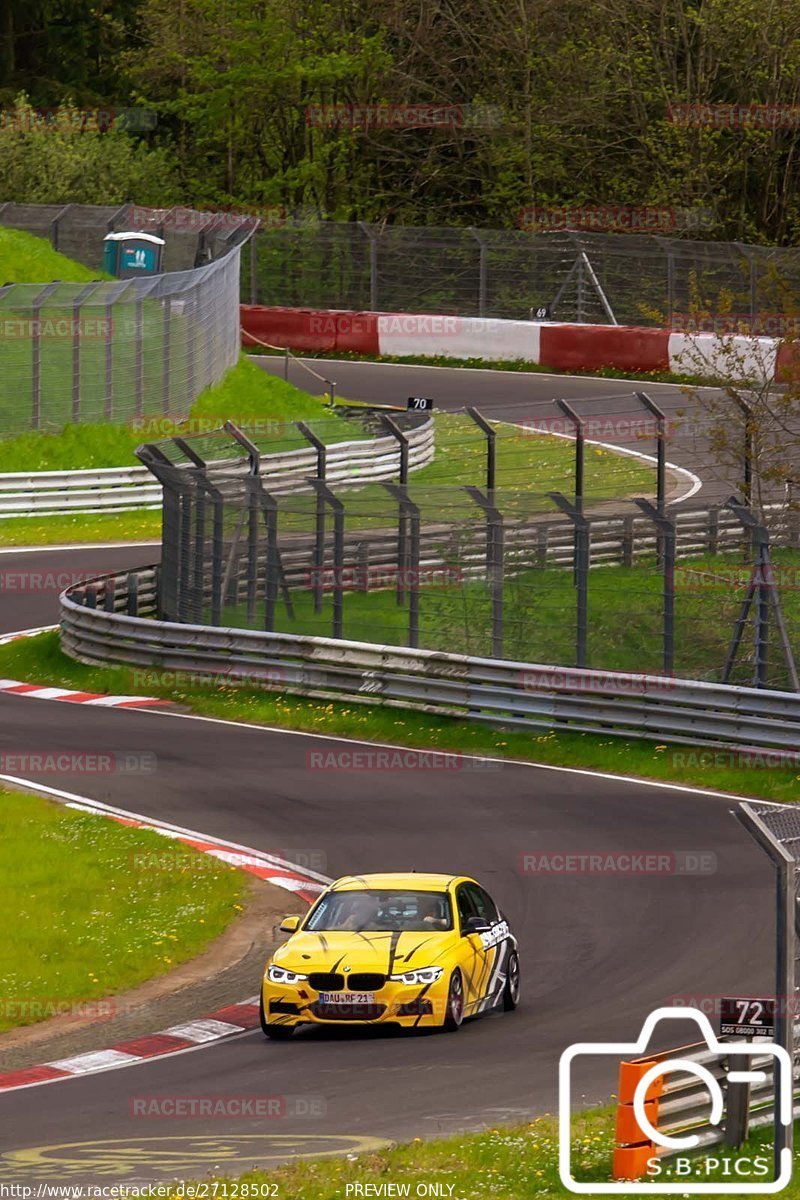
x,y
642,1109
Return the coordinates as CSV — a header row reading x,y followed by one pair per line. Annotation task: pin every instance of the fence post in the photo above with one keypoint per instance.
x,y
580,459
582,536
666,530
166,377
139,357
55,223
192,563
76,349
337,507
402,531
253,270
779,845
36,350
167,580
269,506
494,563
319,520
397,433
111,298
762,590
747,452
409,512
373,264
661,449
482,277
491,448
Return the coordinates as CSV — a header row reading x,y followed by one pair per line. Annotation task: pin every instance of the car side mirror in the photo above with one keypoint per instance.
x,y
289,925
475,925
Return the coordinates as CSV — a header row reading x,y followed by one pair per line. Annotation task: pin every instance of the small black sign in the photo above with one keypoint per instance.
x,y
420,404
741,1016
542,313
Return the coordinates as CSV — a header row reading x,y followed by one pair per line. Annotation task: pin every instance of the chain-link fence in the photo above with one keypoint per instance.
x,y
116,351
624,279
627,279
467,556
191,238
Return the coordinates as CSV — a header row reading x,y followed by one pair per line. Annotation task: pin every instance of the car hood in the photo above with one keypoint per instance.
x,y
386,953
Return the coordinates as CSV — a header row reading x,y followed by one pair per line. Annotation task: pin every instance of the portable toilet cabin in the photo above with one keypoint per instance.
x,y
127,255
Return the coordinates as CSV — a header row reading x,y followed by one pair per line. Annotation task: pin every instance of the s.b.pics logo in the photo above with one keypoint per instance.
x,y
666,1155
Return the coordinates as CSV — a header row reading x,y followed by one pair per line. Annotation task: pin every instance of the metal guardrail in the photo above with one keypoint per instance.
x,y
130,489
683,1103
102,622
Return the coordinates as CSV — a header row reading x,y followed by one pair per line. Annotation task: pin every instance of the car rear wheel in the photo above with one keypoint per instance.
x,y
276,1033
454,1016
511,990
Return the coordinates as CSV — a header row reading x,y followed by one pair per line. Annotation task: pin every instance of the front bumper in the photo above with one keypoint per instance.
x,y
395,1003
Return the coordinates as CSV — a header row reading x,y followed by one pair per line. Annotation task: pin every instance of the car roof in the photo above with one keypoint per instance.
x,y
420,881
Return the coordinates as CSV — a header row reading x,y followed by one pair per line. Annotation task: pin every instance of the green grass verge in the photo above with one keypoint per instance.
x,y
625,606
92,908
25,258
40,660
500,1164
266,407
74,528
246,395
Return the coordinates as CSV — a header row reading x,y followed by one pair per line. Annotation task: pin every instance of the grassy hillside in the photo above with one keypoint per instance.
x,y
246,394
25,258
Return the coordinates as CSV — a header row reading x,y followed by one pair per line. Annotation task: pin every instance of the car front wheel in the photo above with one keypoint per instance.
x,y
454,1016
511,990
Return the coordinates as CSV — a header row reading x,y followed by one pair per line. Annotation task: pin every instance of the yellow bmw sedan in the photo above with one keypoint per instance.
x,y
411,949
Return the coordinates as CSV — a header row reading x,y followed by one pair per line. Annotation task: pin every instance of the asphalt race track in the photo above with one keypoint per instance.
x,y
598,952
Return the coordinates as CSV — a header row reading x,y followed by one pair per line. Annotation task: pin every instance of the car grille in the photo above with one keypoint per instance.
x,y
322,982
355,1012
365,982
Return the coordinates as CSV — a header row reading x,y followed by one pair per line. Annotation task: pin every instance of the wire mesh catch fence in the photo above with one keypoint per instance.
x,y
437,559
116,352
575,275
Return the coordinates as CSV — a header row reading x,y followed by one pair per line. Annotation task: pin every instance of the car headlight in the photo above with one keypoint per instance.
x,y
281,975
422,975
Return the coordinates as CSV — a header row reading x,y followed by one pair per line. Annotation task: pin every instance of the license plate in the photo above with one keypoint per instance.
x,y
346,999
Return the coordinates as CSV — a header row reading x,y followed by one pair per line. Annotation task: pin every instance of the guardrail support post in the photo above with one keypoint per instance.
x,y
737,1103
133,595
582,539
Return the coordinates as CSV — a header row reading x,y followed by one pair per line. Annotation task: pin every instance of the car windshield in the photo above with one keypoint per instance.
x,y
380,910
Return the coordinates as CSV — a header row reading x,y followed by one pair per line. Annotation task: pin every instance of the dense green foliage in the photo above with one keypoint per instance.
x,y
570,106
